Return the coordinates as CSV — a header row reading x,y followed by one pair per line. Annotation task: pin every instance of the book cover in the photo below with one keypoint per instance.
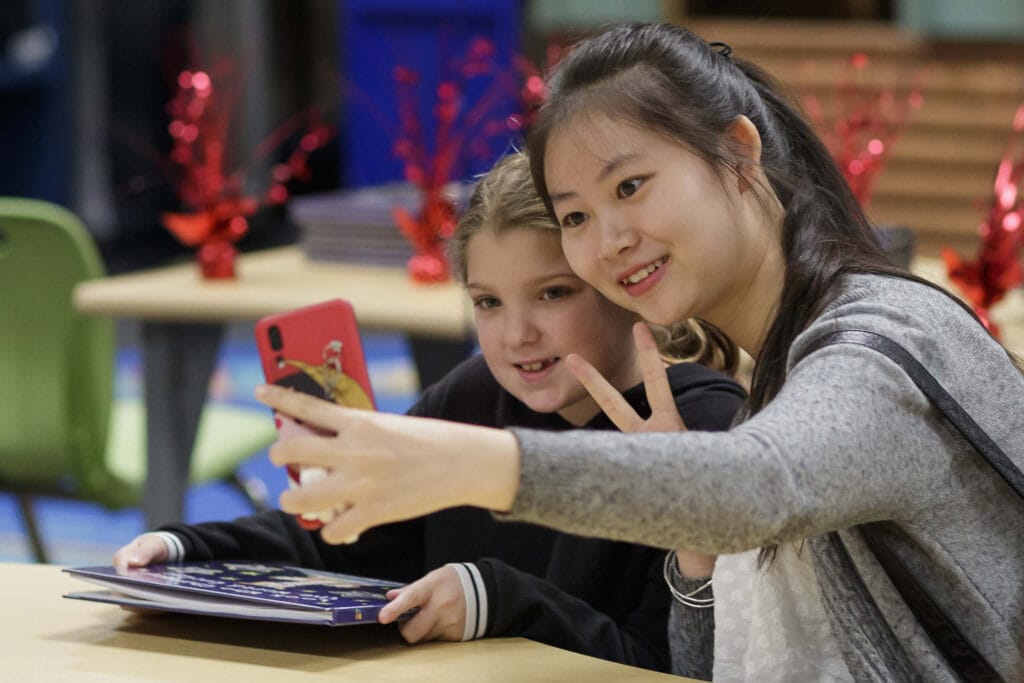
x,y
245,590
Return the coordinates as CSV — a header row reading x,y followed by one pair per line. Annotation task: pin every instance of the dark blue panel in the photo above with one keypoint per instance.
x,y
35,117
428,36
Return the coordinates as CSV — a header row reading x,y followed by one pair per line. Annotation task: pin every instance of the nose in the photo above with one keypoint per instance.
x,y
519,329
617,236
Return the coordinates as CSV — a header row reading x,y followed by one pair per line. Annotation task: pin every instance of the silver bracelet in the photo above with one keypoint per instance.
x,y
687,599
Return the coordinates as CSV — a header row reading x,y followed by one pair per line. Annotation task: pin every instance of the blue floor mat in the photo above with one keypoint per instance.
x,y
83,533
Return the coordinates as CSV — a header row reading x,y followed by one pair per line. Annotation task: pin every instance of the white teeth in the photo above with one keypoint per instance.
x,y
643,273
534,367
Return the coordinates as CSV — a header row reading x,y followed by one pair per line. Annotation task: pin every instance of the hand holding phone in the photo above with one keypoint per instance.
x,y
315,349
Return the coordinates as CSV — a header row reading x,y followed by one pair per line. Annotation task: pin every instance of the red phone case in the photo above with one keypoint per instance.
x,y
315,349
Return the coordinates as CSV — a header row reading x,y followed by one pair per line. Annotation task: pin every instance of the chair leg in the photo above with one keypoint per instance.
x,y
253,488
29,517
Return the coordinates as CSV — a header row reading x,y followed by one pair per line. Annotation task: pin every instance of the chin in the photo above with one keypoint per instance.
x,y
664,318
542,404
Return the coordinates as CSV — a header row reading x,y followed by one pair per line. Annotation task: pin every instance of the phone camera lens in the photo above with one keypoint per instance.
x,y
274,333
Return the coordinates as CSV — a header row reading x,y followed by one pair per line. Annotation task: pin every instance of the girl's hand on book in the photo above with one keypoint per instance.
x,y
385,468
144,550
442,607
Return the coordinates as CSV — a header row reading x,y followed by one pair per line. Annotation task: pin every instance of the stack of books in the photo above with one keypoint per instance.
x,y
355,225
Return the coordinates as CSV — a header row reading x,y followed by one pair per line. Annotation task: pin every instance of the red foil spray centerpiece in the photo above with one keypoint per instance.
x,y
996,269
861,125
220,205
459,128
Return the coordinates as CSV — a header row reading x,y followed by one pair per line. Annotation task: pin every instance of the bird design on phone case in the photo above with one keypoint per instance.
x,y
341,388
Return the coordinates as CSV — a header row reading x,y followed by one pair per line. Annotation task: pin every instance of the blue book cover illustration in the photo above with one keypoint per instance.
x,y
246,590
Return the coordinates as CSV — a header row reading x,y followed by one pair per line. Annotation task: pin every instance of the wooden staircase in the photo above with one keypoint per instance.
x,y
938,178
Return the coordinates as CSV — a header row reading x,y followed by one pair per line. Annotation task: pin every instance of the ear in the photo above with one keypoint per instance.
x,y
746,142
744,136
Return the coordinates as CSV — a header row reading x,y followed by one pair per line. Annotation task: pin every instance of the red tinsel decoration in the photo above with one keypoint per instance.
x,y
534,89
201,114
461,127
864,124
997,268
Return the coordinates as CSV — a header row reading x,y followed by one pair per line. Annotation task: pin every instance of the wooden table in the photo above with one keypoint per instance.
x,y
44,637
182,322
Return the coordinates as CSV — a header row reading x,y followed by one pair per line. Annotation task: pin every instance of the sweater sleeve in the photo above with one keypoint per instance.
x,y
522,604
393,551
848,439
693,643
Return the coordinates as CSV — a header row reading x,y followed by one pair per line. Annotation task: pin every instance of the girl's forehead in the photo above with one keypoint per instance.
x,y
515,258
578,150
594,131
597,140
516,244
601,139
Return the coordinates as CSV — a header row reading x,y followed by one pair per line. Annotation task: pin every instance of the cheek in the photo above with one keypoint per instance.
x,y
588,269
580,257
598,328
487,335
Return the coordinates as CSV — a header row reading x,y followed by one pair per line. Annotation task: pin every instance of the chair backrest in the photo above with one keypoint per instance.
x,y
56,366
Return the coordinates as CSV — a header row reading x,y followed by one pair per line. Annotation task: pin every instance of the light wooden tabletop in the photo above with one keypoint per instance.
x,y
385,298
49,638
276,280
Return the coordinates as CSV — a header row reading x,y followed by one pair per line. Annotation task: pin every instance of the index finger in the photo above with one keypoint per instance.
x,y
652,370
315,411
607,397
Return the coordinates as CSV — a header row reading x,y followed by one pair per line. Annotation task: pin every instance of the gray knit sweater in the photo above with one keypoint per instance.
x,y
849,439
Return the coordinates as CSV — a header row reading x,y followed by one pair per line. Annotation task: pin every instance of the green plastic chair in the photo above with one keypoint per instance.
x,y
61,431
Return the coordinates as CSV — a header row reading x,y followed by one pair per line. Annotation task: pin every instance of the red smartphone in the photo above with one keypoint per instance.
x,y
314,349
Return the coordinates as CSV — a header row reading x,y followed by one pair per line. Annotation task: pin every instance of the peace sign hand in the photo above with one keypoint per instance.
x,y
664,413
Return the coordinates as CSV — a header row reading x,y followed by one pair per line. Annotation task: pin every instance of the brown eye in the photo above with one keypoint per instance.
x,y
627,188
486,303
555,293
571,220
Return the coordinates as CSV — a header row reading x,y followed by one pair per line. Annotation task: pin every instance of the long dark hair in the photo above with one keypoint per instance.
x,y
665,79
505,199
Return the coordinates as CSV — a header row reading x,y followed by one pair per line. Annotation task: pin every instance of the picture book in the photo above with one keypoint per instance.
x,y
244,590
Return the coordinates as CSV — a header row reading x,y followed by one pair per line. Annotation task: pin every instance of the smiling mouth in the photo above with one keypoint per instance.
x,y
536,366
644,273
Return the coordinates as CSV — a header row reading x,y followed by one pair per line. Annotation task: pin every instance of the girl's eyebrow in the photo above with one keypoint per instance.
x,y
610,167
539,280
